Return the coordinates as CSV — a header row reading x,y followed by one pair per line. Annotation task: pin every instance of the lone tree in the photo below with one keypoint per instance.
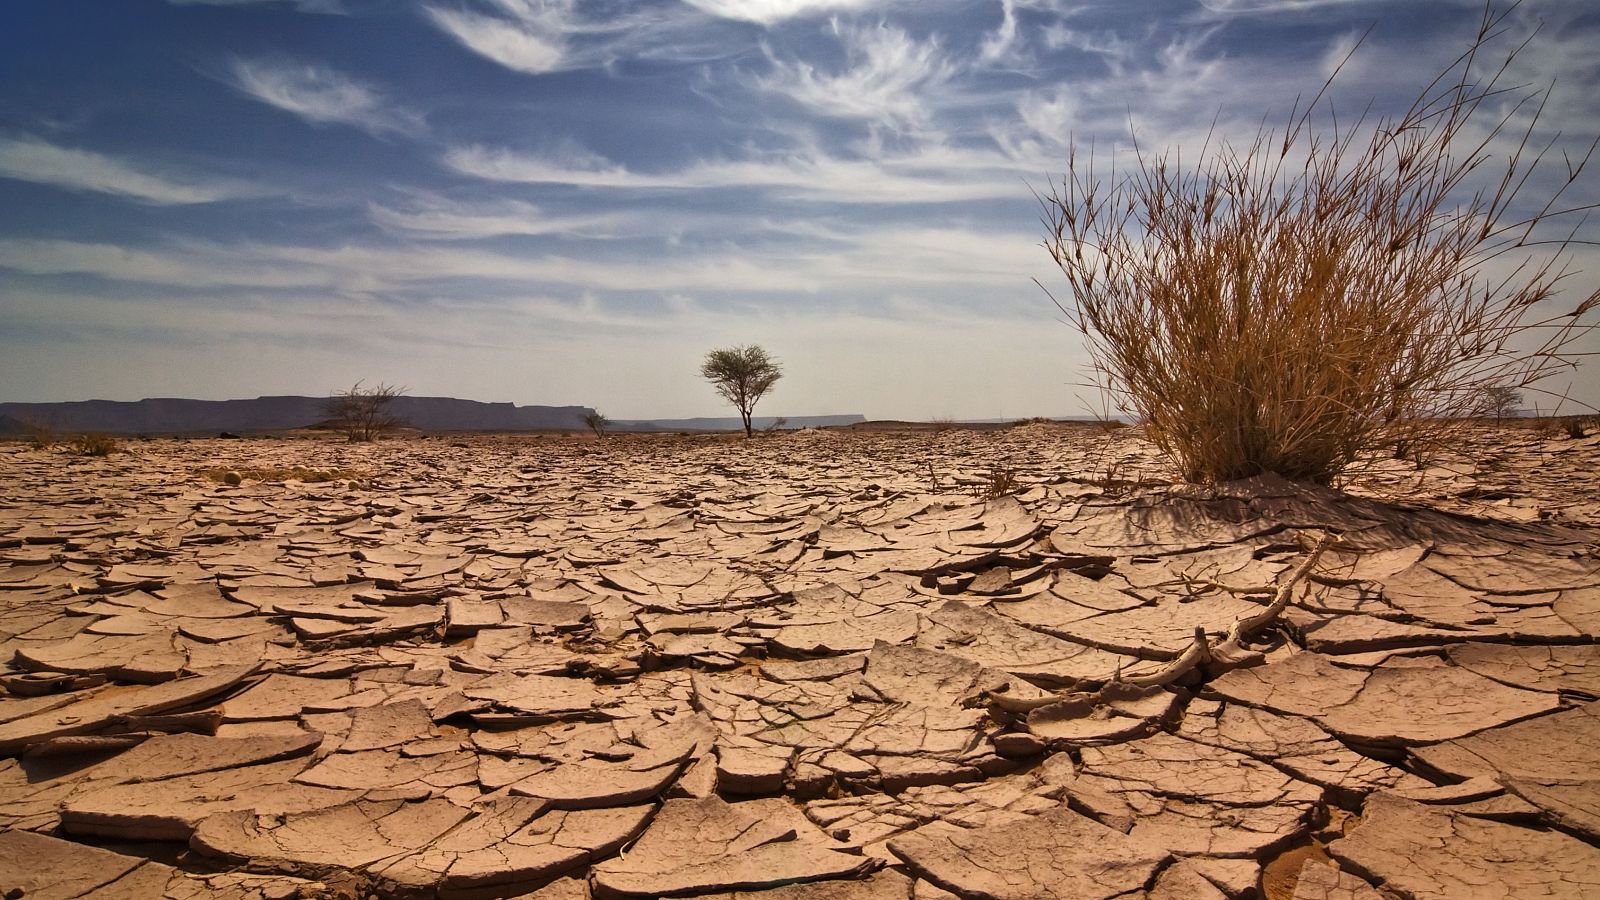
x,y
1500,401
597,422
1298,303
742,375
363,414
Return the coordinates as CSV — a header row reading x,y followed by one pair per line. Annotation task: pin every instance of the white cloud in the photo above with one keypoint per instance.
x,y
357,269
162,267
884,72
531,42
328,7
536,37
771,259
929,175
1270,7
431,216
997,46
321,95
31,159
768,12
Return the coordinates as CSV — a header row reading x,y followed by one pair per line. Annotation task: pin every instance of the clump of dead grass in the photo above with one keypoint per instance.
x,y
92,445
999,481
1298,303
38,435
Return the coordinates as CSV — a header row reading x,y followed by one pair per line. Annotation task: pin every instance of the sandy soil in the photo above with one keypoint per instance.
x,y
856,664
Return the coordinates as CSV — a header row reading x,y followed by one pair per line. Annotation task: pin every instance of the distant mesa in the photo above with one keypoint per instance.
x,y
179,416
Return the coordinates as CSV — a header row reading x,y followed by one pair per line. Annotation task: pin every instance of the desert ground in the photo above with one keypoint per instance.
x,y
1016,663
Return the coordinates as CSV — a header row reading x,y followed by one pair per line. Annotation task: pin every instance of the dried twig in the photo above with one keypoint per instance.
x,y
1199,653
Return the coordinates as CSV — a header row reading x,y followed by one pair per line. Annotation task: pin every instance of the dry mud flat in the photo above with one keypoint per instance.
x,y
814,665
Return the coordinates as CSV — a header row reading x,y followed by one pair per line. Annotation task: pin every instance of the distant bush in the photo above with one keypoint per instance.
x,y
1295,304
1500,401
363,414
93,445
39,435
597,423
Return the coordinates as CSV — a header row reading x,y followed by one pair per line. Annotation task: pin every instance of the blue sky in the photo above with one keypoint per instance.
x,y
570,201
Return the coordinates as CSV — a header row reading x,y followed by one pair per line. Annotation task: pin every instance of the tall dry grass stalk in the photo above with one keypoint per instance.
x,y
1295,304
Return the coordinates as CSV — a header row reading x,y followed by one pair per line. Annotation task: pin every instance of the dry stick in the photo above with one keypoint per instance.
x,y
1201,651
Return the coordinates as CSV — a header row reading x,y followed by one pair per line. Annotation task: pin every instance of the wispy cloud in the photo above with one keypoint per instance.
x,y
530,39
1270,7
321,95
431,216
781,261
328,7
1170,94
998,45
536,37
768,12
31,159
884,74
923,176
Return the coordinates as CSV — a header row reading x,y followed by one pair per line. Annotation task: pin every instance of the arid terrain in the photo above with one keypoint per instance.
x,y
819,664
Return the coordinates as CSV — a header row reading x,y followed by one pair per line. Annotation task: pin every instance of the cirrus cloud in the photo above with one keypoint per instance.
x,y
321,96
31,159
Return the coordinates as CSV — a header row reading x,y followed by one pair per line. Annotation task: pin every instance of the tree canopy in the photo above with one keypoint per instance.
x,y
742,375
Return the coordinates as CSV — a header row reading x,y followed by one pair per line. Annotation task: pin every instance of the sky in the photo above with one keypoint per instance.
x,y
570,201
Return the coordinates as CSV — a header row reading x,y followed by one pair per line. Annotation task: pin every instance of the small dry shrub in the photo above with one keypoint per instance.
x,y
1564,426
93,445
363,414
1297,303
39,436
1000,481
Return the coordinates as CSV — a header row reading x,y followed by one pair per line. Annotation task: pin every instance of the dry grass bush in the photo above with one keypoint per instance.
x,y
999,481
39,436
1298,303
1566,426
363,414
93,445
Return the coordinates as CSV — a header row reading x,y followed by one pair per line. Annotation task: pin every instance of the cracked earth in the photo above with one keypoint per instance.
x,y
820,664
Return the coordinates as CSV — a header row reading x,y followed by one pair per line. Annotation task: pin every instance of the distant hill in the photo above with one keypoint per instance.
x,y
176,416
731,423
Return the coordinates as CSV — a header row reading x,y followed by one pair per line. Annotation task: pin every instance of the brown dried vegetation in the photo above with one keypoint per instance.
x,y
1293,303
